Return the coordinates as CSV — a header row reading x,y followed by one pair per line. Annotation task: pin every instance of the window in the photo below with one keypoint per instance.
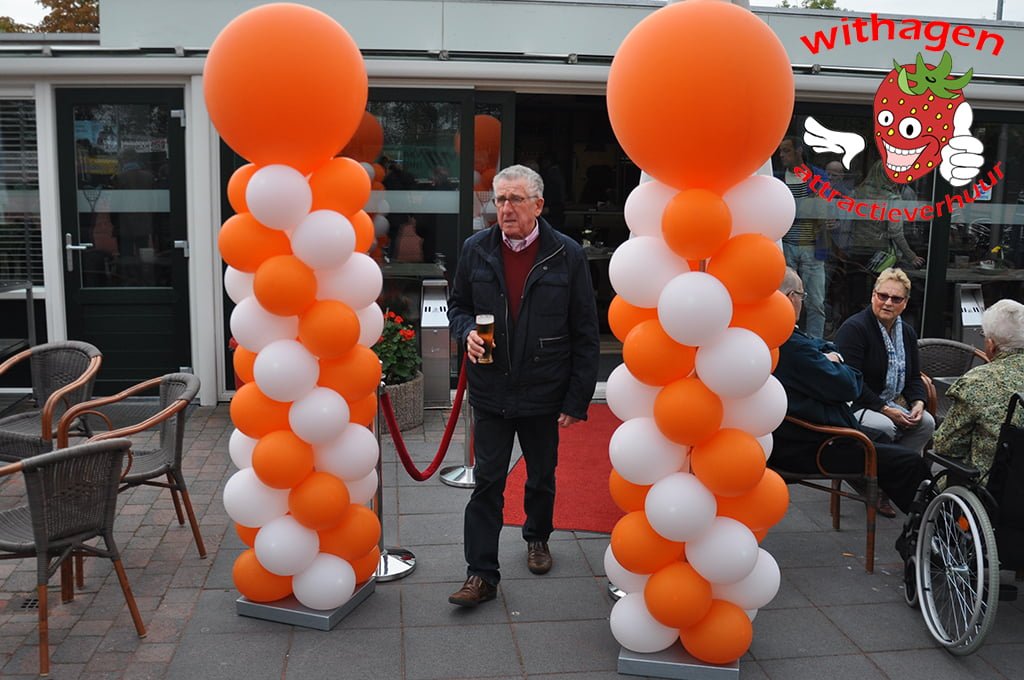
x,y
20,247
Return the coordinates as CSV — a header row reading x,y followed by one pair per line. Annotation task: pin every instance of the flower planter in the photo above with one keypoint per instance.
x,y
406,402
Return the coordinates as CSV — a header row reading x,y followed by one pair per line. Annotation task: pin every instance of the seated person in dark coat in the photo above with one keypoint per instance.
x,y
819,387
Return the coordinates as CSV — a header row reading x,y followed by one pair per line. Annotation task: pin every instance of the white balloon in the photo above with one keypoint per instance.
x,y
285,370
369,169
735,365
751,614
634,628
645,206
357,283
628,397
694,308
756,589
237,284
641,267
278,196
319,416
381,226
383,207
641,454
767,441
371,324
679,507
324,239
351,456
360,491
240,448
761,204
760,413
725,553
285,547
622,578
252,503
327,583
254,327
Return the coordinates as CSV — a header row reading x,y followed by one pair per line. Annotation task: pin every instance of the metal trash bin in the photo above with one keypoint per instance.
x,y
967,314
435,346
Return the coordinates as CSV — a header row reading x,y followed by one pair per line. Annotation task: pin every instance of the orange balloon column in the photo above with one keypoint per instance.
x,y
700,94
286,88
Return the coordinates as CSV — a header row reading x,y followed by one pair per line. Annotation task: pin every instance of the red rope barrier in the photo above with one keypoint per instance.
x,y
396,436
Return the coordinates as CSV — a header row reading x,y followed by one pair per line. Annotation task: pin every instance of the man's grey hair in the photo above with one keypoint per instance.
x,y
790,282
1003,323
515,173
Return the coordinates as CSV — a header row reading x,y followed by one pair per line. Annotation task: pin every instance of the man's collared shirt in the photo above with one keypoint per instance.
x,y
518,244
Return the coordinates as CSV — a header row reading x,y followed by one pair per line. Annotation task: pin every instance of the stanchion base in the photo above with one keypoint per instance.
x,y
674,662
615,592
395,563
458,475
292,612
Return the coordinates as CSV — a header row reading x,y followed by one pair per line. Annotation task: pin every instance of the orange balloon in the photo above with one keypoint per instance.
x,y
285,285
367,142
363,411
677,596
366,566
285,83
329,328
486,144
772,318
378,174
236,187
363,226
281,460
243,362
759,534
653,357
245,244
255,414
760,508
696,223
627,495
487,178
722,636
687,412
729,463
775,357
353,536
623,317
319,501
341,185
353,375
247,534
724,56
750,266
255,582
641,549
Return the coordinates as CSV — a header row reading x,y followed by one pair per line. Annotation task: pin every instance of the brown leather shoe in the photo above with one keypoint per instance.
x,y
474,591
538,557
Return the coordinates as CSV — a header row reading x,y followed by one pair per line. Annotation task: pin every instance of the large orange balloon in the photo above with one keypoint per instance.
x,y
627,495
366,566
285,83
285,285
696,223
486,144
623,317
750,266
687,412
281,460
653,357
363,226
341,185
353,536
641,549
255,582
255,414
700,94
354,375
245,244
236,187
722,636
329,329
773,318
363,411
677,596
367,142
729,463
243,361
760,508
319,501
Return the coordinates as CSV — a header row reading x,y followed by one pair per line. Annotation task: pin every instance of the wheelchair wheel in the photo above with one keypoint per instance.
x,y
910,581
957,570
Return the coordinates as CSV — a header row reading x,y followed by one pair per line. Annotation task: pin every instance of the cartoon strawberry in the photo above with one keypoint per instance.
x,y
914,111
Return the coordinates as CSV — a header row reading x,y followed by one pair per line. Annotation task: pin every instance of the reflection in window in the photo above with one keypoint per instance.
x,y
20,246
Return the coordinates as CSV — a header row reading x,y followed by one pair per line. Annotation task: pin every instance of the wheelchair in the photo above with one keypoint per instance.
x,y
962,529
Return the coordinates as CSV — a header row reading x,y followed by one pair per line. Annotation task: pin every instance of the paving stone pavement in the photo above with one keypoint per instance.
x,y
829,620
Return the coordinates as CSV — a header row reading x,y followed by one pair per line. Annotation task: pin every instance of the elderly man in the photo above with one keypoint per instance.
x,y
978,400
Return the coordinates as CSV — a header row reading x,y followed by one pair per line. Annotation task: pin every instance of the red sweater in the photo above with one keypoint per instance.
x,y
517,268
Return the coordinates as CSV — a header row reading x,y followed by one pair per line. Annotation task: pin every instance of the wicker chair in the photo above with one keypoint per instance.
x,y
72,497
63,374
943,360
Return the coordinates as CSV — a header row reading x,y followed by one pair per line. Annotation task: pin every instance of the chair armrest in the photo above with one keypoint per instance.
x,y
981,355
154,419
51,404
933,396
834,432
20,356
90,406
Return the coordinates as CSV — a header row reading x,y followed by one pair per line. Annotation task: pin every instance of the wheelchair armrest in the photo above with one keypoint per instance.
x,y
954,465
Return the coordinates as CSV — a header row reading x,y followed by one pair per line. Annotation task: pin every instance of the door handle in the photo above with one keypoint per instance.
x,y
69,248
183,246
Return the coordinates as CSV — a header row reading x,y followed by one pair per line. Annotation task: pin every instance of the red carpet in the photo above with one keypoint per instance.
x,y
582,500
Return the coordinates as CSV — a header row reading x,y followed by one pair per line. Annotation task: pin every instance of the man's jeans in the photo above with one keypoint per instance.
x,y
812,273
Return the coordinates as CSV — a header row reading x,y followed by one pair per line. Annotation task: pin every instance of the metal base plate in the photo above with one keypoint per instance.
x,y
615,592
458,475
292,612
395,563
674,662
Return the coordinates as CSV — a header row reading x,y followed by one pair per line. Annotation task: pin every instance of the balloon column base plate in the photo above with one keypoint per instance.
x,y
292,612
459,476
674,662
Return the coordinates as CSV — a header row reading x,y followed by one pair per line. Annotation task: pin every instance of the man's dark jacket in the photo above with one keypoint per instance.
x,y
546,362
817,389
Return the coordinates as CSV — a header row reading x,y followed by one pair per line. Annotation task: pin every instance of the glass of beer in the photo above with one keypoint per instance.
x,y
485,329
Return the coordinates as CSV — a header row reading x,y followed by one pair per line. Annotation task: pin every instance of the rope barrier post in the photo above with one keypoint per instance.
x,y
395,563
462,476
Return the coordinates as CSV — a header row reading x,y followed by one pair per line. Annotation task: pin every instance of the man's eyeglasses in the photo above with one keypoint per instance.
x,y
514,200
799,293
885,297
